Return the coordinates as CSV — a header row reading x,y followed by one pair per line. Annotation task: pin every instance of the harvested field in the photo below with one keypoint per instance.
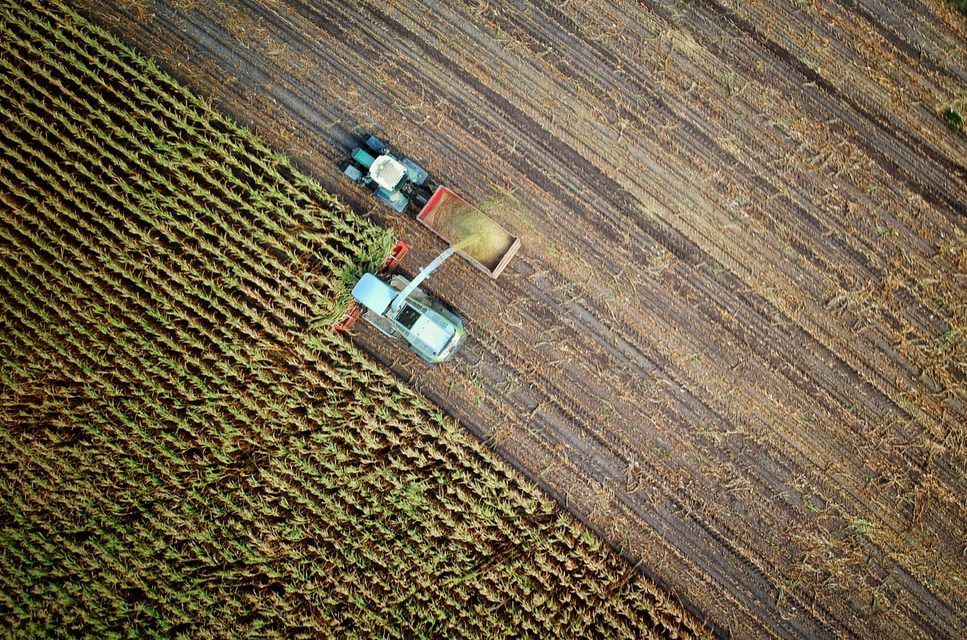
x,y
734,338
186,448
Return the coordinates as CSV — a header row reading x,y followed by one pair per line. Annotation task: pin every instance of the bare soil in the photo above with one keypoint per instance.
x,y
734,340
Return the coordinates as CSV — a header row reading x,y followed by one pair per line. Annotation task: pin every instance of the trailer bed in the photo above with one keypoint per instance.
x,y
485,244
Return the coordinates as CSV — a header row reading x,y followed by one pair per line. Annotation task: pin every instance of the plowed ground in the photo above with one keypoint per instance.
x,y
734,339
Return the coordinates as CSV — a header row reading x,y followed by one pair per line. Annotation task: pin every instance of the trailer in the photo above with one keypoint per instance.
x,y
476,236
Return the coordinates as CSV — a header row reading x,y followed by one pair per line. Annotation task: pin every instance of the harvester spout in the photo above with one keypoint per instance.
x,y
420,277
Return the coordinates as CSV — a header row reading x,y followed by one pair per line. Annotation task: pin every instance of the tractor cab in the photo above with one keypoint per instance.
x,y
387,171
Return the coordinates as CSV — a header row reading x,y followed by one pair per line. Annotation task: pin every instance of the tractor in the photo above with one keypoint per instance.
x,y
397,181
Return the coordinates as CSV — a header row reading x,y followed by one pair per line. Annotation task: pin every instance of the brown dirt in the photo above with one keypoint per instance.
x,y
734,340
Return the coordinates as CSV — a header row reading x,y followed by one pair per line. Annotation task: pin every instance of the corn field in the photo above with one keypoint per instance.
x,y
187,449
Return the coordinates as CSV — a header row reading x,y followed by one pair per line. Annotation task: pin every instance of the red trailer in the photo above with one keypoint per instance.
x,y
476,236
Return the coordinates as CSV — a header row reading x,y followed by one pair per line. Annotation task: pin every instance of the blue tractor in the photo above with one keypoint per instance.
x,y
394,179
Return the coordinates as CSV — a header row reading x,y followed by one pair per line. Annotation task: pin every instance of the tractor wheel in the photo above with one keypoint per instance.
x,y
376,144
